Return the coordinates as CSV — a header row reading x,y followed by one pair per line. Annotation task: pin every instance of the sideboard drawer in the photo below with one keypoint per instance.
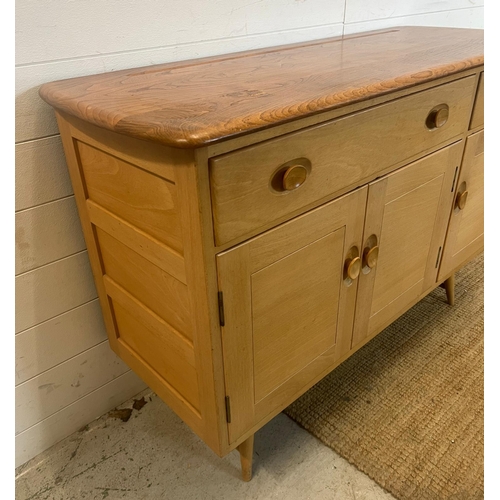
x,y
259,184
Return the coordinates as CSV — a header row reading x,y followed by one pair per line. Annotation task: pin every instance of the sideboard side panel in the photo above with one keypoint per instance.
x,y
127,197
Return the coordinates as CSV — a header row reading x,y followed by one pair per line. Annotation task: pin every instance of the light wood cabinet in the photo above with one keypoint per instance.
x,y
252,220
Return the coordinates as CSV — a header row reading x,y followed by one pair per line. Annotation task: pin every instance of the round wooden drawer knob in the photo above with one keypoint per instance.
x,y
461,200
370,257
438,117
294,177
353,267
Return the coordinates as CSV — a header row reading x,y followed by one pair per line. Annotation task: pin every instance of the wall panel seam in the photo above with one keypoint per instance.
x,y
413,15
52,262
64,361
72,403
43,204
35,139
60,314
184,44
343,17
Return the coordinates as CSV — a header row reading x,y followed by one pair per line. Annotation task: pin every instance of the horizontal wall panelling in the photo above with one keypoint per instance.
x,y
46,345
45,394
47,233
149,24
41,172
464,18
53,289
367,10
75,416
35,118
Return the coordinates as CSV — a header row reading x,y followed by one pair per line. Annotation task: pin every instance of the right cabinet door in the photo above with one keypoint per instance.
x,y
465,237
406,220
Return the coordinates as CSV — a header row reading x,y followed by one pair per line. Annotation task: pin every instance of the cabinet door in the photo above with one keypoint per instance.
x,y
288,308
466,230
407,215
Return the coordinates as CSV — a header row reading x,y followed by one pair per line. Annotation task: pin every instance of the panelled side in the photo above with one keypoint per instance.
x,y
127,198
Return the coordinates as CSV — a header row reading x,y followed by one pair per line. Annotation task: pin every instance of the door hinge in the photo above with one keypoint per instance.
x,y
454,179
228,410
439,256
221,309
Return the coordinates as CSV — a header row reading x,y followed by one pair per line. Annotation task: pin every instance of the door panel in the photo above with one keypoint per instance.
x,y
288,308
284,338
406,218
466,230
406,237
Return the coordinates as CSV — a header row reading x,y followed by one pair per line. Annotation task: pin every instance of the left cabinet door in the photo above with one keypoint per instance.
x,y
288,308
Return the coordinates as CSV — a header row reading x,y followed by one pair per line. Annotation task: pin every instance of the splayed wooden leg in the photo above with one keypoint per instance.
x,y
246,456
449,286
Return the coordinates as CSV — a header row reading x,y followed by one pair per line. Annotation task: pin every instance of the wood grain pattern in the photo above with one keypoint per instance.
x,y
145,201
155,294
194,198
191,104
286,295
246,458
226,146
159,291
170,355
155,251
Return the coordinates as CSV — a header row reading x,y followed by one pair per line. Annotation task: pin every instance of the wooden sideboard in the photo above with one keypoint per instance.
x,y
253,219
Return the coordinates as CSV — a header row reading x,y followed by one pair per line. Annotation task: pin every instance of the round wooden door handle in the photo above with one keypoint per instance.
x,y
294,177
438,116
461,200
370,257
353,267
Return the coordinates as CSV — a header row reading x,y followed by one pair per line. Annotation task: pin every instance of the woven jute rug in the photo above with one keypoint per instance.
x,y
407,408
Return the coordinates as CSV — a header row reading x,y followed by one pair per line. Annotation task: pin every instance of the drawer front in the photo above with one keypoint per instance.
x,y
254,186
478,113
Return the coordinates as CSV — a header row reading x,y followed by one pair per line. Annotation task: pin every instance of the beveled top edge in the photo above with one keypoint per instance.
x,y
193,103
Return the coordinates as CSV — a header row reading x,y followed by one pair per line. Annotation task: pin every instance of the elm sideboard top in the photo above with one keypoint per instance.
x,y
193,103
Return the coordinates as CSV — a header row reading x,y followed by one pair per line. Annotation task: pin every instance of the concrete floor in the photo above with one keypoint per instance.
x,y
155,456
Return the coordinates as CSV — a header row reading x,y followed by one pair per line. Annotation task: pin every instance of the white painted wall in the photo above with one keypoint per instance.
x,y
66,375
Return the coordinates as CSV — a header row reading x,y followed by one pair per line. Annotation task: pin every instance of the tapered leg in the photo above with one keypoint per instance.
x,y
449,286
246,456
